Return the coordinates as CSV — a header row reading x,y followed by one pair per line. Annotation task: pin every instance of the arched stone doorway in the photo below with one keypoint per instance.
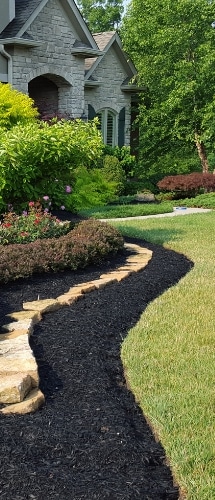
x,y
50,94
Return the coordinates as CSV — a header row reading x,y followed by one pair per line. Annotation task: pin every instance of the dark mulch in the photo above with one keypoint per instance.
x,y
90,440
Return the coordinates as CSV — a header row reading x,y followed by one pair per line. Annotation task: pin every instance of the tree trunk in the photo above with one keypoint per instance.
x,y
202,154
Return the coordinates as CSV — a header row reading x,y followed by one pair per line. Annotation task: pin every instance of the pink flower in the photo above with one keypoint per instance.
x,y
68,189
46,210
46,198
31,204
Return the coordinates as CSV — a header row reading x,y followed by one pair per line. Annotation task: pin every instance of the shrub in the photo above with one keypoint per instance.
x,y
127,161
89,242
38,159
189,185
133,187
15,107
90,189
113,172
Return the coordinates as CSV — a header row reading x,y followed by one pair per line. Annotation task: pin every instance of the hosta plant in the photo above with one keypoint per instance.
x,y
32,225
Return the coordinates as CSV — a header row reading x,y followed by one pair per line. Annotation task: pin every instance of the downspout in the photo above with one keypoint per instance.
x,y
10,68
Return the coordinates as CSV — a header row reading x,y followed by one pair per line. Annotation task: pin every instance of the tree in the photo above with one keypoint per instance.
x,y
101,15
172,44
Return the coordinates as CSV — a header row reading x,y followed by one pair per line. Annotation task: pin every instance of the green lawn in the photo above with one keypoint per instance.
x,y
170,357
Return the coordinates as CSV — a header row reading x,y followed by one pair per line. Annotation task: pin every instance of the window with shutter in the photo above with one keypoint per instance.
x,y
108,126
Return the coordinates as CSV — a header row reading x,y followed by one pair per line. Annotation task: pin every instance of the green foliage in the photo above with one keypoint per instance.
x,y
127,161
175,62
200,201
15,107
112,212
133,187
90,189
88,243
113,172
30,226
179,160
101,15
37,159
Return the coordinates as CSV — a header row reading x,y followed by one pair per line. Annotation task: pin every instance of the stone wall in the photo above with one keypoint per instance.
x,y
111,74
52,57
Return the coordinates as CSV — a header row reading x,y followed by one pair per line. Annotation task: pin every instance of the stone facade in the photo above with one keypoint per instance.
x,y
110,74
48,52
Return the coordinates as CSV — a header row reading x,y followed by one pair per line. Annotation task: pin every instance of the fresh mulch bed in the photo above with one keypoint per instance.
x,y
91,439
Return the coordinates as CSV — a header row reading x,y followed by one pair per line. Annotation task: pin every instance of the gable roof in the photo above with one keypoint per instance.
x,y
105,41
27,10
24,9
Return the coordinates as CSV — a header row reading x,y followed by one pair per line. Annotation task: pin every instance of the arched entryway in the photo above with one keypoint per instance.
x,y
50,94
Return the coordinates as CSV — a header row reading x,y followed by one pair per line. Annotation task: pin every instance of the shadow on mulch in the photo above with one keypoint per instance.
x,y
91,439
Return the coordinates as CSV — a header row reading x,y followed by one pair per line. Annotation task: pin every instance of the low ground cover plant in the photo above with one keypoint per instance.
x,y
202,201
169,354
89,242
111,212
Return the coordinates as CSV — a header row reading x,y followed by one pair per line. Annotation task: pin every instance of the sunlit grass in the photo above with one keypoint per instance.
x,y
169,355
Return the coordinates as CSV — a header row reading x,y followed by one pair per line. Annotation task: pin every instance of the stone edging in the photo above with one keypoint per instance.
x,y
19,379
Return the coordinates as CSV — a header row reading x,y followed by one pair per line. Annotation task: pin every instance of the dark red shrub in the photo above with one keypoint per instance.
x,y
190,184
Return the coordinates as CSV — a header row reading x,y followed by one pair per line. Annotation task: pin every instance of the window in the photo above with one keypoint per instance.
x,y
108,126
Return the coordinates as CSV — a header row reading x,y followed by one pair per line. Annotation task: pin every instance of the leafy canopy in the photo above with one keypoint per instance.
x,y
172,44
101,15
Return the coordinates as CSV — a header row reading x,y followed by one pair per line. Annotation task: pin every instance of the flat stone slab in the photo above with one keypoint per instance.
x,y
18,367
13,388
14,334
34,316
19,325
31,403
42,306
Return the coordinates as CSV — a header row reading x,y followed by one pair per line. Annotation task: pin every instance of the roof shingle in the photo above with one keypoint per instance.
x,y
23,9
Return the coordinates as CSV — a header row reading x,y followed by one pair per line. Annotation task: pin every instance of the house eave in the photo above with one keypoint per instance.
x,y
20,41
85,52
132,89
91,84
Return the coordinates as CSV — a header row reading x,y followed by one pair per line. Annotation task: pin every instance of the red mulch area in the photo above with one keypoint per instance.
x,y
91,439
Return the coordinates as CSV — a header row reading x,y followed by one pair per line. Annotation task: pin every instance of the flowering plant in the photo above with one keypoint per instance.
x,y
31,225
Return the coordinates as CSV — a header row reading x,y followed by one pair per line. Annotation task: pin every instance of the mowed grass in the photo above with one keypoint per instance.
x,y
169,355
111,212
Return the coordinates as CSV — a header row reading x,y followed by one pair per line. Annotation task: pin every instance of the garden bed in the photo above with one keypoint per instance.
x,y
90,440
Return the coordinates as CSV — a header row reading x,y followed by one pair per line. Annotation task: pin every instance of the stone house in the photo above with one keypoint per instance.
x,y
48,52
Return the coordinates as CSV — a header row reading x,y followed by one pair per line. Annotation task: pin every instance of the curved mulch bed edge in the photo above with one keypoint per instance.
x,y
91,439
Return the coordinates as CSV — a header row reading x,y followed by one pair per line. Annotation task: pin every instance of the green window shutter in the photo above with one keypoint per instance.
x,y
91,112
121,128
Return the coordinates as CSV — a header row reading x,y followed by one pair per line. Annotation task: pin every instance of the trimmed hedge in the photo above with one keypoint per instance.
x,y
88,243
